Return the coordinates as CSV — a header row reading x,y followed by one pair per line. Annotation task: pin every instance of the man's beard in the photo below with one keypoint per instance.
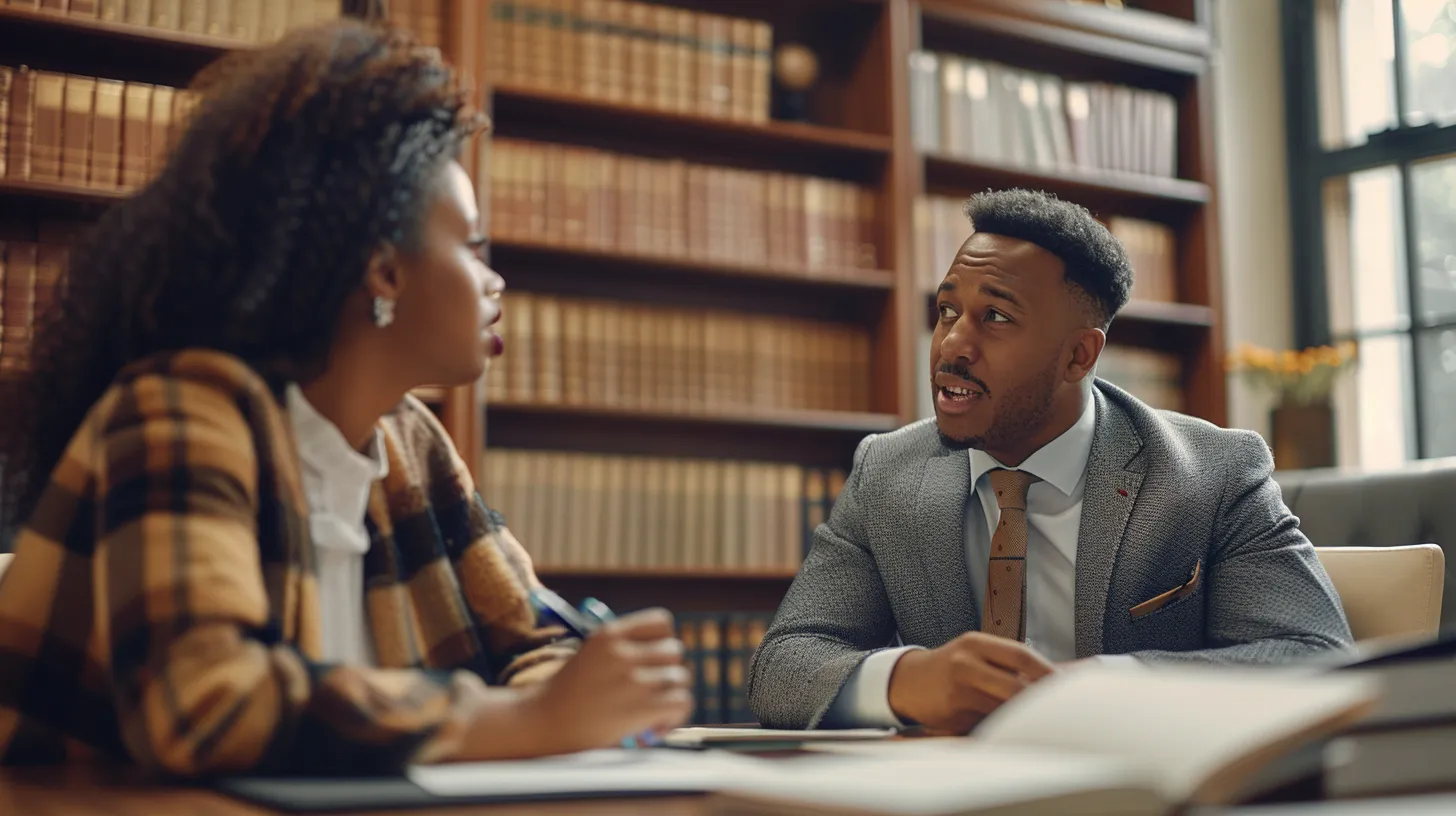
x,y
1020,414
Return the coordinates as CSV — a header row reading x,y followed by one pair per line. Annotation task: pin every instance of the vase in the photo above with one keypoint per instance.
x,y
1304,436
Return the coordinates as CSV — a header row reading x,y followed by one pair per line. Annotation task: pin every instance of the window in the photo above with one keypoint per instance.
x,y
1370,87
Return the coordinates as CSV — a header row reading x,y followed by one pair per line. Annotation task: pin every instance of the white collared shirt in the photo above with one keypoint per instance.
x,y
337,481
1053,515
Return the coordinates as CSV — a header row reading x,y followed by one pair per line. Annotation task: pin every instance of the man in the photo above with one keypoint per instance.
x,y
1041,517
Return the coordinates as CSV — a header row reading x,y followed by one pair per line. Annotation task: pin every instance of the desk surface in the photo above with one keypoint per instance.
x,y
82,791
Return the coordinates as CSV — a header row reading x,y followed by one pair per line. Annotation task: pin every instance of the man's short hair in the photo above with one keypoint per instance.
x,y
1094,260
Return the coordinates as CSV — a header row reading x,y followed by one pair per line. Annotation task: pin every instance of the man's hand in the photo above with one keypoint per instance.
x,y
952,688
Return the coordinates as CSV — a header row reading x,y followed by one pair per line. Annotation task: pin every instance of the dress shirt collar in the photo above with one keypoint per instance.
x,y
1060,463
337,477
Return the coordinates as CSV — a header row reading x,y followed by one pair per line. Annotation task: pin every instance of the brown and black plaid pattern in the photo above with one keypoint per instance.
x,y
162,605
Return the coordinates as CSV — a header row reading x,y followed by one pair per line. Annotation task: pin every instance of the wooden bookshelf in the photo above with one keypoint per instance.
x,y
858,130
1166,53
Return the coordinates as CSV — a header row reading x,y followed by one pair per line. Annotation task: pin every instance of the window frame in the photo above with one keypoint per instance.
x,y
1311,164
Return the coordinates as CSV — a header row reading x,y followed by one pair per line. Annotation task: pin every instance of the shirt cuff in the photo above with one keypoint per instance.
x,y
864,699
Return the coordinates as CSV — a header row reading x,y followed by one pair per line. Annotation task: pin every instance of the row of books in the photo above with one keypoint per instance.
x,y
1155,377
590,198
642,54
574,351
244,20
718,648
941,227
425,18
31,274
1152,249
991,113
588,511
90,132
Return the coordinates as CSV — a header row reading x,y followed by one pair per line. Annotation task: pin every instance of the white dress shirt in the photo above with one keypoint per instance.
x,y
337,480
1053,515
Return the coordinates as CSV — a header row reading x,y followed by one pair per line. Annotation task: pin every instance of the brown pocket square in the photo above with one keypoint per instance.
x,y
1153,604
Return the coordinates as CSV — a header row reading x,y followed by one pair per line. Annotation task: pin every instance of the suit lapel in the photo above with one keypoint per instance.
x,y
940,533
1109,494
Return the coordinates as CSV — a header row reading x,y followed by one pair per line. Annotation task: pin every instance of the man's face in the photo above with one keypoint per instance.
x,y
1003,345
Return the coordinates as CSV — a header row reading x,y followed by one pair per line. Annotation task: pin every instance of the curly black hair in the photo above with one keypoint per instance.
x,y
301,161
1094,260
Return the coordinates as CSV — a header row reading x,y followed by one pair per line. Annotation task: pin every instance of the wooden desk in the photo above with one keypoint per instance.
x,y
112,792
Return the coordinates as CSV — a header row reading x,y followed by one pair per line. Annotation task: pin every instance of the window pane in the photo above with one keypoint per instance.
x,y
1373,407
1355,50
1433,187
1365,252
1430,71
1437,351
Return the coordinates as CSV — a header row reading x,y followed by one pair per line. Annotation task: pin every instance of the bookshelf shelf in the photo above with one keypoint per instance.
x,y
509,252
834,422
824,439
55,41
1169,314
1137,25
59,191
1129,43
21,21
1148,196
515,107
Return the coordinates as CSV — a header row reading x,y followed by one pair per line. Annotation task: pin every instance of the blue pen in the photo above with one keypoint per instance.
x,y
582,623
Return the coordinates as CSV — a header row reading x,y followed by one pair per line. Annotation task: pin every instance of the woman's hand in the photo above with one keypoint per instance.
x,y
628,678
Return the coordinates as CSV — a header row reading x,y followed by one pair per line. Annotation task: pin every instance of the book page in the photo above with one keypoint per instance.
x,y
948,777
1203,730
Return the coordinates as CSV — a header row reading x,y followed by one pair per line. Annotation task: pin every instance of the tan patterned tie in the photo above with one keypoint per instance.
x,y
1002,610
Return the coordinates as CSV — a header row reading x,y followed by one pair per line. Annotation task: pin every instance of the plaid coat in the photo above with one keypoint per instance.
x,y
162,605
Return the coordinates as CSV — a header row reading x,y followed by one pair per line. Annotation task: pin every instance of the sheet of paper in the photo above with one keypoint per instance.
x,y
591,772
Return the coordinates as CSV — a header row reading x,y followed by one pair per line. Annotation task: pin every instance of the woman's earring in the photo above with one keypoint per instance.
x,y
383,311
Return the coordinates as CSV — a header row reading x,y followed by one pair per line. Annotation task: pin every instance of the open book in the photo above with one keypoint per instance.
x,y
1092,740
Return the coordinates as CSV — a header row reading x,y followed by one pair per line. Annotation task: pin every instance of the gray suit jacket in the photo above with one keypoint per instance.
x,y
1164,493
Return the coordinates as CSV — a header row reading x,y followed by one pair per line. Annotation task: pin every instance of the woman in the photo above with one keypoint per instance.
x,y
247,549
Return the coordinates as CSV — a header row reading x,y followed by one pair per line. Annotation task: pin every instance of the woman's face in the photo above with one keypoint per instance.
x,y
450,299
